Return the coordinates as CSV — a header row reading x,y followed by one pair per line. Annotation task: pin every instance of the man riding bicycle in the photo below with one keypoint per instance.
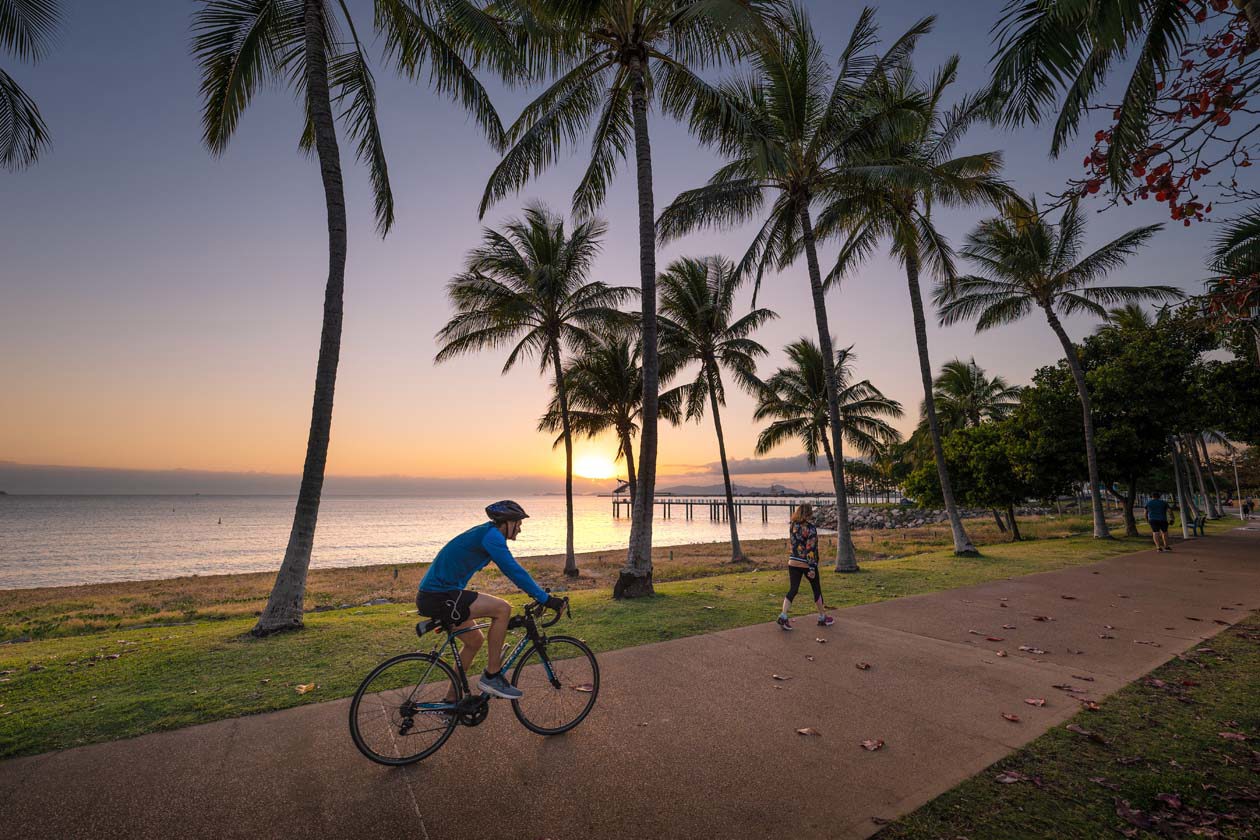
x,y
442,594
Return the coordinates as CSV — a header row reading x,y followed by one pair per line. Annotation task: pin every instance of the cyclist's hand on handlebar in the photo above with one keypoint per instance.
x,y
554,603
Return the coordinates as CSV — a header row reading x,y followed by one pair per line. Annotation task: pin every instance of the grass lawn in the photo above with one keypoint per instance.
x,y
64,692
1160,766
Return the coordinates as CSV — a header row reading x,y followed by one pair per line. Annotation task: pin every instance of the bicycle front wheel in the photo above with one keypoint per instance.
x,y
400,713
560,682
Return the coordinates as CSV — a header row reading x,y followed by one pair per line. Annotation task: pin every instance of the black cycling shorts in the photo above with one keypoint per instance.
x,y
1159,525
451,606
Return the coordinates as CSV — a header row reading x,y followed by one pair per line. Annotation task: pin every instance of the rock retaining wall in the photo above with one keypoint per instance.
x,y
862,517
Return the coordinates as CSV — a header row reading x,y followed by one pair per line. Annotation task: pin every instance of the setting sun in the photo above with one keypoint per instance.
x,y
594,466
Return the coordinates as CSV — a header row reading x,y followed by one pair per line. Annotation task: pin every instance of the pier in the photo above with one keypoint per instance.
x,y
714,507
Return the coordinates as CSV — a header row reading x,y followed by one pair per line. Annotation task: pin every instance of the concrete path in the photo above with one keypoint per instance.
x,y
690,737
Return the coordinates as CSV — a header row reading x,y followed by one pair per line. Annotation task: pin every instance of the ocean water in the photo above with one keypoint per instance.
x,y
67,540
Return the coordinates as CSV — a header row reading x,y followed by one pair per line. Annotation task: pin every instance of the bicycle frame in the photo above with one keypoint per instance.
x,y
531,636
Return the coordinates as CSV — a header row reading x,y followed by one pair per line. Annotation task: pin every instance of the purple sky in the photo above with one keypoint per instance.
x,y
160,308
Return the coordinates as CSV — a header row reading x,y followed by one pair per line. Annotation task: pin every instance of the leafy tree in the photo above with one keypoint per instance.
x,y
604,383
611,59
242,45
528,287
697,308
983,464
1231,391
26,30
792,132
794,398
1027,263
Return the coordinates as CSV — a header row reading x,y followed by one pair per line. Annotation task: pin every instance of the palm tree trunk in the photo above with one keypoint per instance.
x,y
1193,458
630,478
284,606
570,561
636,576
962,543
846,557
831,459
737,553
1207,462
1087,413
1010,516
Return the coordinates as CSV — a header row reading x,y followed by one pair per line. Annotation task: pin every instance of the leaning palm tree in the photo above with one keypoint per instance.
x,y
242,45
528,287
792,130
697,308
1026,263
794,399
611,59
966,396
604,384
26,30
914,174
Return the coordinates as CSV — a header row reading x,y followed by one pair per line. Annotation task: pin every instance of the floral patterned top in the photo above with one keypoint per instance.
x,y
804,539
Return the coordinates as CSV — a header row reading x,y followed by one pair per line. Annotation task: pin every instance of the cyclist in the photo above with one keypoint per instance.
x,y
442,594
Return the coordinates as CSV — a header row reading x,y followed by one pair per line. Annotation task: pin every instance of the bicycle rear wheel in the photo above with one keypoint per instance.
x,y
556,702
397,716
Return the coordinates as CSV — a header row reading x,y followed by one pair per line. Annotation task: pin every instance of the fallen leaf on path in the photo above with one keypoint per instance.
x,y
1068,597
1035,701
880,820
872,744
1042,618
1227,608
1145,642
1012,718
303,689
1030,649
809,730
779,677
1071,689
1004,599
1082,677
1192,618
1222,623
863,666
994,639
585,688
975,632
1001,653
1002,605
1105,636
1008,626
1109,627
821,641
1233,736
1075,651
1089,705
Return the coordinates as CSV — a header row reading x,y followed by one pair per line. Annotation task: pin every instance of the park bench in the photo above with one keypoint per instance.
x,y
1197,525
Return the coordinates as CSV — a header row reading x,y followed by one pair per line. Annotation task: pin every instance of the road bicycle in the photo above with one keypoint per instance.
x,y
409,705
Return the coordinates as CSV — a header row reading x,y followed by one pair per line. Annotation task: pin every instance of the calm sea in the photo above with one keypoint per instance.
x,y
66,540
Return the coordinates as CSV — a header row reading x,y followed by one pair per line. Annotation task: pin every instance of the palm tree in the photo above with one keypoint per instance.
x,y
966,396
611,57
1027,263
697,305
794,398
1129,318
242,45
528,287
604,383
26,30
792,129
918,172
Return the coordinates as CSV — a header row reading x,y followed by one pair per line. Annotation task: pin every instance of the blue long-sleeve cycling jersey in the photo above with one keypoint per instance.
x,y
469,553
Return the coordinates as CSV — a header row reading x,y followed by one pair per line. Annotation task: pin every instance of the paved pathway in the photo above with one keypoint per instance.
x,y
690,737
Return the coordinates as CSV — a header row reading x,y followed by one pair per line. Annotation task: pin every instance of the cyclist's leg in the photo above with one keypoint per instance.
x,y
488,606
469,644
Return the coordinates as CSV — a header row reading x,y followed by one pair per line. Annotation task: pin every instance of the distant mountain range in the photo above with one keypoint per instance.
x,y
739,490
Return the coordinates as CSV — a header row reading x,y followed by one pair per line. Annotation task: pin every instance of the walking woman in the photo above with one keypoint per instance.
x,y
803,562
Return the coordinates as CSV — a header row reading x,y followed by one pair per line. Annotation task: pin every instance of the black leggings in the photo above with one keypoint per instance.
x,y
795,573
